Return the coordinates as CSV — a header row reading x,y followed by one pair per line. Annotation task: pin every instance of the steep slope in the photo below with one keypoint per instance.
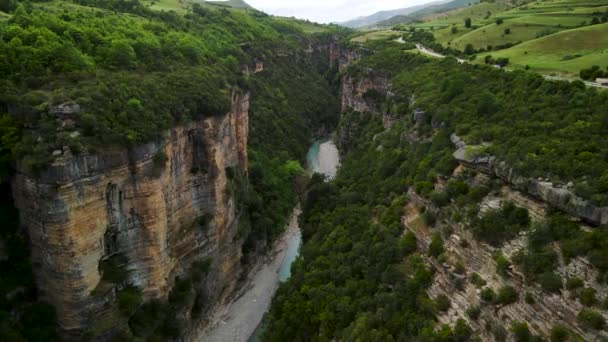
x,y
146,178
453,208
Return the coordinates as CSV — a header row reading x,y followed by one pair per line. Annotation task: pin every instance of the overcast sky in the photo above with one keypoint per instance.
x,y
325,11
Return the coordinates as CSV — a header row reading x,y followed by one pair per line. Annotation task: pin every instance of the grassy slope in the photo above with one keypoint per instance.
x,y
373,35
547,54
528,22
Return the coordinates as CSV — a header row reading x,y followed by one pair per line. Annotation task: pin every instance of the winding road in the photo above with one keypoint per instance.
x,y
432,53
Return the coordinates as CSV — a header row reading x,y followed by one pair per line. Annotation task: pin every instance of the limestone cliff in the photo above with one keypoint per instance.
x,y
559,196
143,204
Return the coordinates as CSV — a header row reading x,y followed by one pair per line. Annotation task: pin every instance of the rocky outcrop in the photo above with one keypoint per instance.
x,y
356,91
557,196
142,204
542,314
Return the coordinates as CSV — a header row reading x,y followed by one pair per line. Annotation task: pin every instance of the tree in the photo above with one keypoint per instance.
x,y
499,21
521,332
467,23
595,21
591,319
454,30
436,246
507,31
507,295
121,54
469,49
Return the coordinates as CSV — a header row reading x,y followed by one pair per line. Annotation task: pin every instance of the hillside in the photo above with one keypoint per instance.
x,y
567,51
181,131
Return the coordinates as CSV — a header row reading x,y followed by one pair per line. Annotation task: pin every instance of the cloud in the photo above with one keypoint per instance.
x,y
329,10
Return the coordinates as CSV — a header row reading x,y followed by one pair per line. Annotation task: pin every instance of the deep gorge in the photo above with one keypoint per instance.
x,y
154,168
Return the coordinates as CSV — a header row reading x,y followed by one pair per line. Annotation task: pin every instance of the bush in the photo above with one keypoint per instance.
x,y
496,226
160,159
204,220
129,299
473,312
560,333
507,295
521,332
529,298
574,283
488,295
587,296
180,291
436,246
550,282
408,243
442,303
591,319
502,264
477,280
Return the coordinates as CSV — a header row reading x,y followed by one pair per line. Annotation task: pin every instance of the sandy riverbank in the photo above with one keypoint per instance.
x,y
238,320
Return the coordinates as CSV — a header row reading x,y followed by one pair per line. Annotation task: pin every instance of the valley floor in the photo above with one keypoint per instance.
x,y
238,320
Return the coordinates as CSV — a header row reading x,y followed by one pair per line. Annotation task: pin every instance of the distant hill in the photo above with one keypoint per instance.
x,y
384,15
231,3
443,7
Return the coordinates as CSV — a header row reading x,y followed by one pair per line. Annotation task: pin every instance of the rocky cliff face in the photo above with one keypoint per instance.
x,y
143,204
559,196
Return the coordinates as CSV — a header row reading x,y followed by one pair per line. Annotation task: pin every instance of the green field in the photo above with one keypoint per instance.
x,y
566,52
374,35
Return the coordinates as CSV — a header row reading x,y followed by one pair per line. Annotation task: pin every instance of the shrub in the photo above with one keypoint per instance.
x,y
459,268
180,291
499,333
114,269
521,332
574,283
591,318
488,295
507,295
429,218
408,243
129,300
473,312
559,333
160,159
200,269
502,264
507,31
204,220
587,296
529,298
499,21
436,246
496,226
442,303
550,282
477,280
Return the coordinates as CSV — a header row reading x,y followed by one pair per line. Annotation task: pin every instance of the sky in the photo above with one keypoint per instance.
x,y
325,11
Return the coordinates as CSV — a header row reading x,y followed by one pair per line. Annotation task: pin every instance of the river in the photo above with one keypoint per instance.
x,y
240,321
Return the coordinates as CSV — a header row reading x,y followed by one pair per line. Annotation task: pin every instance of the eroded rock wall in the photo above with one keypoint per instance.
x,y
143,204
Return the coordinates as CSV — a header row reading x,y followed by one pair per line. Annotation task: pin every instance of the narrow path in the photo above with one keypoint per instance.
x,y
239,319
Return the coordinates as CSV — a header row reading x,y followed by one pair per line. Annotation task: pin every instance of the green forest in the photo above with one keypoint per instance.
x,y
134,73
362,277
